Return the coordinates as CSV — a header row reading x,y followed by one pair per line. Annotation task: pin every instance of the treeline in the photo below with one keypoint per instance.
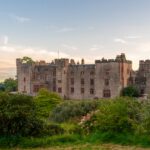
x,y
9,85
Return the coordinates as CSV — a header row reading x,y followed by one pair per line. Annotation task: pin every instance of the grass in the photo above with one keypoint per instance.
x,y
86,147
72,141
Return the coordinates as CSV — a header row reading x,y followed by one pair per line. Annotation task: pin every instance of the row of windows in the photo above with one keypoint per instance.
x,y
82,90
82,73
106,93
82,81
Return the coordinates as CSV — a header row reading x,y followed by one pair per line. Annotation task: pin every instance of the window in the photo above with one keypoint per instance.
x,y
59,90
106,93
59,81
82,81
36,88
54,73
54,89
92,73
91,91
82,72
72,81
128,71
71,73
142,91
91,81
24,79
106,82
72,90
54,81
107,72
82,90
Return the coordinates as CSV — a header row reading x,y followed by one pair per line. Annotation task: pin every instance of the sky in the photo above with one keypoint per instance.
x,y
89,29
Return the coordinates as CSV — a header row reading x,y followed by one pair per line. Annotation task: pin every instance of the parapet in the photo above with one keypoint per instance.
x,y
62,62
119,58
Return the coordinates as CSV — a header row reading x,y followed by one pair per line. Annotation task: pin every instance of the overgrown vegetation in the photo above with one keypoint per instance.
x,y
17,116
130,91
45,101
9,85
72,109
47,120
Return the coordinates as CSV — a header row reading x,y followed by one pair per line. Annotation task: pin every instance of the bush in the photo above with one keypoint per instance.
x,y
69,110
52,129
45,102
119,115
130,91
17,115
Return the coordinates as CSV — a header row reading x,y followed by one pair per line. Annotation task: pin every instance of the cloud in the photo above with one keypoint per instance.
x,y
20,19
65,29
4,40
119,40
69,47
11,52
7,73
96,47
133,37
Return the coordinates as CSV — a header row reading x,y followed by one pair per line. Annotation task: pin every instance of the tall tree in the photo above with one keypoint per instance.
x,y
10,85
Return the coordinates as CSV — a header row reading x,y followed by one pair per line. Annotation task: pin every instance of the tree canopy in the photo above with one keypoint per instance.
x,y
9,85
130,91
26,59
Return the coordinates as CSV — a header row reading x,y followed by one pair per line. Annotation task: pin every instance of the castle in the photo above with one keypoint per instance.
x,y
104,79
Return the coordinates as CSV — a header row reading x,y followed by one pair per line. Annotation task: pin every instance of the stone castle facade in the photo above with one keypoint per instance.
x,y
104,79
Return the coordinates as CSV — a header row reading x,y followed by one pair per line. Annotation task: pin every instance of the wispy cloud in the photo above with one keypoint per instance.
x,y
4,40
120,40
133,37
20,19
69,47
66,29
96,47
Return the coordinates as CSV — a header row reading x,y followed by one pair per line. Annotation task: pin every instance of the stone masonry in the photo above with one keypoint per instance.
x,y
104,79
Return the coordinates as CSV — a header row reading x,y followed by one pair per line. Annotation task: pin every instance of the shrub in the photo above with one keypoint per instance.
x,y
131,91
119,115
45,102
17,115
69,110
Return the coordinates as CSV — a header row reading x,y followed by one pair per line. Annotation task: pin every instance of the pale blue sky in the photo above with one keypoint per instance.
x,y
89,29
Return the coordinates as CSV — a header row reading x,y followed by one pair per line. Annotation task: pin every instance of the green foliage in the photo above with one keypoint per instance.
x,y
17,115
119,115
2,87
51,129
145,125
71,128
130,91
28,60
9,85
69,110
45,102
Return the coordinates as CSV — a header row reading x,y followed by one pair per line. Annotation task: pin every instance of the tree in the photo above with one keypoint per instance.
x,y
2,87
10,85
18,115
130,91
46,101
26,59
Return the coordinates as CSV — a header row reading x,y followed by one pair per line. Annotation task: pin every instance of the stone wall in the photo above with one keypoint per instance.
x,y
105,78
